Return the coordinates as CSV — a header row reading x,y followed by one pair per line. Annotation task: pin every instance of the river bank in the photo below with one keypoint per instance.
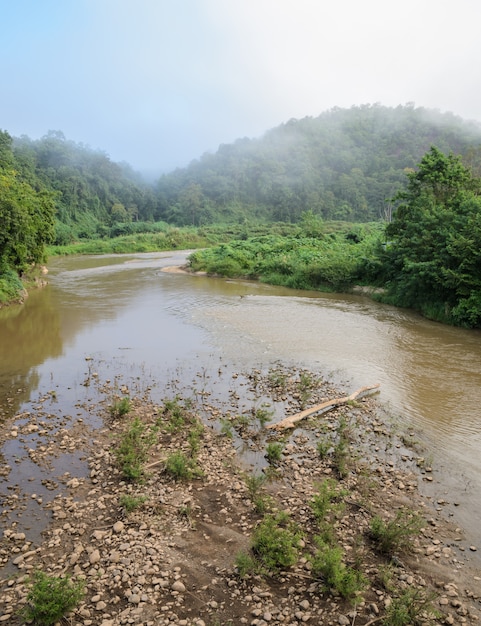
x,y
164,549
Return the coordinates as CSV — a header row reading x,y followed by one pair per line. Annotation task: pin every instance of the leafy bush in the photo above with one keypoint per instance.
x,y
50,598
328,500
275,542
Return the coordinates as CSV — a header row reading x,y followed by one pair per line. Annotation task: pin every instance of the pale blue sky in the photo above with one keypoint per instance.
x,y
157,83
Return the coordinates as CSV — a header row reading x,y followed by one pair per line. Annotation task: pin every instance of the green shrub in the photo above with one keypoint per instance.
x,y
194,438
395,535
181,467
50,598
263,414
275,542
327,563
175,414
413,607
246,564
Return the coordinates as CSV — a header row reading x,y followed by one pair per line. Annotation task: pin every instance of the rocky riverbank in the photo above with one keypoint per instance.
x,y
157,541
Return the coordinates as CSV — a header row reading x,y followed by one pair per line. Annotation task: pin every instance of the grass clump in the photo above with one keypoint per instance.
x,y
120,407
181,467
327,564
130,503
274,451
50,598
412,607
323,446
395,535
133,448
328,500
263,415
175,414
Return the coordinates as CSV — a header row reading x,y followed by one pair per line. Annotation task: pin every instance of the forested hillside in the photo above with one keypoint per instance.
x,y
345,164
91,192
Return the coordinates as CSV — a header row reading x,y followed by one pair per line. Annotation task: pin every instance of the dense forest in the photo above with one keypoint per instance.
x,y
346,164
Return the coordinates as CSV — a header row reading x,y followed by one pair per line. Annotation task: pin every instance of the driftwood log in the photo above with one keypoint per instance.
x,y
289,422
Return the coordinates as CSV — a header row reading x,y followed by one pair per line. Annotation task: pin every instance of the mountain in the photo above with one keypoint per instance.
x,y
345,164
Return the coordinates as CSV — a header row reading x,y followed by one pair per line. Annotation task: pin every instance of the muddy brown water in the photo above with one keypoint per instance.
x,y
124,319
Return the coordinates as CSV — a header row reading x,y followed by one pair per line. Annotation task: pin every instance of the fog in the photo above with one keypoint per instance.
x,y
157,83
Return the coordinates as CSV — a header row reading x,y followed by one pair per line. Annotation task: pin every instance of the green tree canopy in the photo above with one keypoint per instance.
x,y
26,215
432,260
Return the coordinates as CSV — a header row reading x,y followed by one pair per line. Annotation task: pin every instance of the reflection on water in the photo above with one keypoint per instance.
x,y
139,321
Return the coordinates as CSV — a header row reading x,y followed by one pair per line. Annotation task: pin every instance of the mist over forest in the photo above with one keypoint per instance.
x,y
345,164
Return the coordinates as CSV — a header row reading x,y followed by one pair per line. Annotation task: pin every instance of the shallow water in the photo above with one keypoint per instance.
x,y
122,316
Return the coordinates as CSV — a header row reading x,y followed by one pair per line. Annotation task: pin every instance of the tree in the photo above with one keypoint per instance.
x,y
27,219
432,259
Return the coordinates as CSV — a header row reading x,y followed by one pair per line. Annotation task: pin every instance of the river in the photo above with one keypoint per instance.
x,y
123,316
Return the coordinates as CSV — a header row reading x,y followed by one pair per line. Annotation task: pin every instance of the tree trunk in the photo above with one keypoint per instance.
x,y
290,421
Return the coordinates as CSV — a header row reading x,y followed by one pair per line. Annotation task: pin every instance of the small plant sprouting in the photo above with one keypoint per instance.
x,y
130,503
395,535
133,448
307,382
226,428
323,446
120,407
175,415
254,483
50,598
278,379
328,500
194,438
275,542
274,451
246,564
263,414
411,607
341,449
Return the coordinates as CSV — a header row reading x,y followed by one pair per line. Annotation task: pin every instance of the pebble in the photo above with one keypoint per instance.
x,y
178,585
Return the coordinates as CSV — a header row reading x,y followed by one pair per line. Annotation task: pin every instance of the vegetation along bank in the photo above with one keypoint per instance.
x,y
412,209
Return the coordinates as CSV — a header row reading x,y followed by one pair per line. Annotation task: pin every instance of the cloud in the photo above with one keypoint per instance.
x,y
157,83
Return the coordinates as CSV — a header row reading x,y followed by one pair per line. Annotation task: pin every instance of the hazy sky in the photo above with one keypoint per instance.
x,y
157,83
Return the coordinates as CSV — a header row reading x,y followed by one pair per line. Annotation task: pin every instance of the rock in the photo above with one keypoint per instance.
x,y
118,527
178,585
94,557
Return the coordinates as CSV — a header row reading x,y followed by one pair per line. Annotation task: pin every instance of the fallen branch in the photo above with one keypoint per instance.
x,y
290,421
